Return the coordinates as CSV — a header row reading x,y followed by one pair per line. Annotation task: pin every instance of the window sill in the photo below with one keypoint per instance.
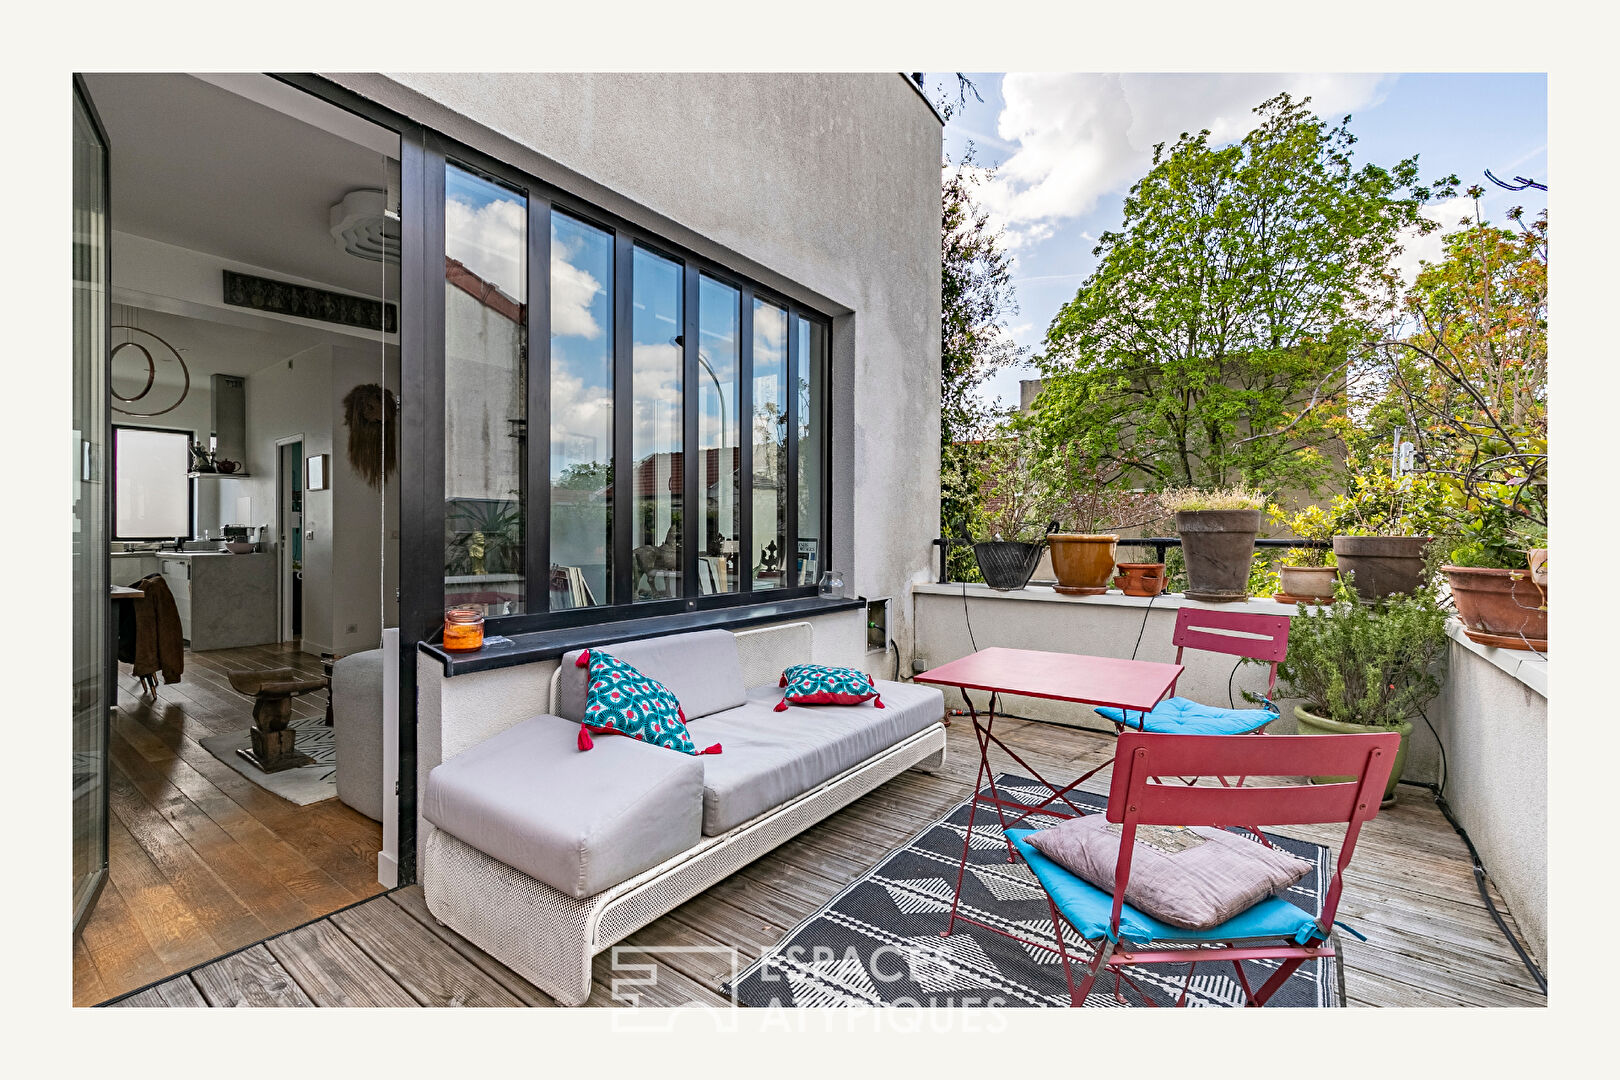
x,y
550,644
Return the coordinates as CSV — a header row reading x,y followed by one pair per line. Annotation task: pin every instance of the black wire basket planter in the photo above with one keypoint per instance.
x,y
1007,565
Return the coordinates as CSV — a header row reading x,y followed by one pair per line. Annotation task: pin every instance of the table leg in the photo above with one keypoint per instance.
x,y
967,840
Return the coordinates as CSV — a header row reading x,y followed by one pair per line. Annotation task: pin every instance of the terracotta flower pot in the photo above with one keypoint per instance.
x,y
1311,584
1141,578
1311,724
1500,607
1219,547
1382,565
1082,562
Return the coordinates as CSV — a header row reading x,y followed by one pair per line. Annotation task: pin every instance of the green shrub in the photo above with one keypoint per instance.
x,y
1186,500
1375,664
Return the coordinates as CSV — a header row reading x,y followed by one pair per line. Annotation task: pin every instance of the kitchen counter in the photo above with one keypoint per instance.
x,y
225,601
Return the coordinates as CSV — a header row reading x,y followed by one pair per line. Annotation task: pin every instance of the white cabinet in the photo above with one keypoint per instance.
x,y
177,576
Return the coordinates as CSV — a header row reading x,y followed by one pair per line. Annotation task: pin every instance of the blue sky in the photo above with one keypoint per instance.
x,y
1068,147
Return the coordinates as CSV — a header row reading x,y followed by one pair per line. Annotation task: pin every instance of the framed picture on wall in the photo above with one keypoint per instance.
x,y
316,474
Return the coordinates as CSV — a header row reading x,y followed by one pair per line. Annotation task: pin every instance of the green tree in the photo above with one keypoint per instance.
x,y
1215,340
976,300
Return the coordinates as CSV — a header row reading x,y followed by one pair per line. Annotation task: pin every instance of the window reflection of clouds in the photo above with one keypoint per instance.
x,y
657,359
581,346
486,230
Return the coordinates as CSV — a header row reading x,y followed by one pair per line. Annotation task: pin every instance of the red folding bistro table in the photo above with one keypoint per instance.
x,y
1085,680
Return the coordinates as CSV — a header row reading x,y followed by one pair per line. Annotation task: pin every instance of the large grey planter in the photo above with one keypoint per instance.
x,y
1382,565
1219,547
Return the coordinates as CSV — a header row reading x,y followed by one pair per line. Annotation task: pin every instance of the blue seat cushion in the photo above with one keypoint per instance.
x,y
1181,716
1087,908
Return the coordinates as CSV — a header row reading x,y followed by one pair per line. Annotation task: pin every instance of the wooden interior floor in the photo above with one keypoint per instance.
x,y
201,860
1410,890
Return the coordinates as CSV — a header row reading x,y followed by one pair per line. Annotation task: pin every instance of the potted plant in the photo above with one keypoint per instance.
x,y
1383,531
1014,502
1364,668
1307,574
1493,583
1083,560
1217,531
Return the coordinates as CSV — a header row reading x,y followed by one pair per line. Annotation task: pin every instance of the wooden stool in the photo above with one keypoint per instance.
x,y
272,693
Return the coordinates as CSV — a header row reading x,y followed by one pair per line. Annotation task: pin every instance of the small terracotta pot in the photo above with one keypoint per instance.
x,y
1082,562
1219,548
1141,578
1312,584
1382,565
1500,607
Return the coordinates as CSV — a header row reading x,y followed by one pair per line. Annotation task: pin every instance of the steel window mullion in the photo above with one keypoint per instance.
x,y
745,439
624,472
694,508
790,558
536,484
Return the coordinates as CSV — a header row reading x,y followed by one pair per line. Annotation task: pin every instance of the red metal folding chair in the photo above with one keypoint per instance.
x,y
1273,930
1235,633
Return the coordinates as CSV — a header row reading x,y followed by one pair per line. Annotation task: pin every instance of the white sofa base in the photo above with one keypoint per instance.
x,y
549,937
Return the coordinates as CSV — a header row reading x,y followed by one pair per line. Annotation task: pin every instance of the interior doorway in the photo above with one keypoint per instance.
x,y
290,524
250,303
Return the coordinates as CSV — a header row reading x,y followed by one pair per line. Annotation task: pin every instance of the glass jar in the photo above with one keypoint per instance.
x,y
463,629
831,585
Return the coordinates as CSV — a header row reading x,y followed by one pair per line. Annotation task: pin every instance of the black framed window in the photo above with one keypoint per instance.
x,y
678,410
153,498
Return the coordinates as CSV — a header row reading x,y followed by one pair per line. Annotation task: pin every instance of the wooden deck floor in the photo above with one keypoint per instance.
x,y
201,860
1410,891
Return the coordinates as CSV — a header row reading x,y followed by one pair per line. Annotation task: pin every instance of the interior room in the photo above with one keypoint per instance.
x,y
254,527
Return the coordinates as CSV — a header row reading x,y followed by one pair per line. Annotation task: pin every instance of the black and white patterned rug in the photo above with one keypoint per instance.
x,y
878,943
304,785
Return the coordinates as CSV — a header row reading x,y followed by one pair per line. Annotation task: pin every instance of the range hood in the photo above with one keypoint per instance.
x,y
228,417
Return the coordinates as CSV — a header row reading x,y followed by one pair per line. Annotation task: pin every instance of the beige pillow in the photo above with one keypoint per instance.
x,y
1194,878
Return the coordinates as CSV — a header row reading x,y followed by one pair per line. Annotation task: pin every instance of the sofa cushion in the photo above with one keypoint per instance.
x,y
701,669
580,823
772,757
620,700
818,684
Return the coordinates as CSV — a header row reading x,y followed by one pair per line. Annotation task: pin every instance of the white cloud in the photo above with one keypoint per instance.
x,y
1417,249
491,241
1080,137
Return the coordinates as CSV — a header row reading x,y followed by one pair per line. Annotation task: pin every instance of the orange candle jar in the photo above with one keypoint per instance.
x,y
463,629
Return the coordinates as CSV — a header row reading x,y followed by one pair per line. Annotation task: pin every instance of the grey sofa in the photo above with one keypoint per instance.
x,y
544,855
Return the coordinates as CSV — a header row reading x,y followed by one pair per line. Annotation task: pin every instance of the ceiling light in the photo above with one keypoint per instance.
x,y
363,226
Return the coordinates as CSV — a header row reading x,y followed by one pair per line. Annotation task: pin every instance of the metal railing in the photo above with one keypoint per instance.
x,y
1159,544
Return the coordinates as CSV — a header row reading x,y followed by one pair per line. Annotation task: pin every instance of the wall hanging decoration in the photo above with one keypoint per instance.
x,y
371,413
135,347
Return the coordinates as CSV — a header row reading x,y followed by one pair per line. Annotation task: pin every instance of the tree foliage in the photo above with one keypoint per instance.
x,y
1213,342
976,300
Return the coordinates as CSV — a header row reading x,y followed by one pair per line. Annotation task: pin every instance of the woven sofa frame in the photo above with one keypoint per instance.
x,y
549,937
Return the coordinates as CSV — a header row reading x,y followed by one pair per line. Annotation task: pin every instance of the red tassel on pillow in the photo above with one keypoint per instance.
x,y
715,749
585,738
781,706
784,679
878,701
584,659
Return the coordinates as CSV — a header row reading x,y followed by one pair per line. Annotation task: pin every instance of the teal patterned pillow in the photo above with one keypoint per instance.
x,y
817,684
620,700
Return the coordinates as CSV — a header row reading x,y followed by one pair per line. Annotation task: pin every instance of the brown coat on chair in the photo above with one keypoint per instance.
x,y
159,642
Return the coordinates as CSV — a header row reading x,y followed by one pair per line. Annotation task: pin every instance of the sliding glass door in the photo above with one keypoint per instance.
x,y
92,644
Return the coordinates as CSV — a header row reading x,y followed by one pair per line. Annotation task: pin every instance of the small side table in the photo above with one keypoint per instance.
x,y
272,692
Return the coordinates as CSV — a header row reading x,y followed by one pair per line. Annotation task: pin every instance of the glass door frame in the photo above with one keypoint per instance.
x,y
86,897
